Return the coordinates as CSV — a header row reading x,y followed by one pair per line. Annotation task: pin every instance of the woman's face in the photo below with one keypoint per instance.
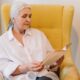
x,y
23,20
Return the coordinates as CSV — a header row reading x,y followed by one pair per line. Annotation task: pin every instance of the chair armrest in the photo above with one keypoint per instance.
x,y
69,73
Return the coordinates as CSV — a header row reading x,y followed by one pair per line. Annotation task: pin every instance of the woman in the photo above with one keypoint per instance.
x,y
23,48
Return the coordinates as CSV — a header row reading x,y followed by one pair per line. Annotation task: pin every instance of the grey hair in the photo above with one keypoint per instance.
x,y
16,7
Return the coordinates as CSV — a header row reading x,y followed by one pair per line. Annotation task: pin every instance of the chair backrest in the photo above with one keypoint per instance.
x,y
54,20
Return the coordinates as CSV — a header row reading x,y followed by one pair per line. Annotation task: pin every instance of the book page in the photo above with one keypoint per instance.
x,y
53,57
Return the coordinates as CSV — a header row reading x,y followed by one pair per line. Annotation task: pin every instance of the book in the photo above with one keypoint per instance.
x,y
52,57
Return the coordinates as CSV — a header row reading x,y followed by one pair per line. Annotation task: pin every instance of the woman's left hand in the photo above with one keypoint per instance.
x,y
60,60
56,64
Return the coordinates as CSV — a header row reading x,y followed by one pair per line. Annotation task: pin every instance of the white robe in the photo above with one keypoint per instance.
x,y
13,53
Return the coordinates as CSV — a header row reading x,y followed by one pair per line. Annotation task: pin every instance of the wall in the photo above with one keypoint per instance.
x,y
75,38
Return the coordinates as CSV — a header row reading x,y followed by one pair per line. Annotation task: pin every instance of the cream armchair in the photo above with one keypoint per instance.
x,y
56,22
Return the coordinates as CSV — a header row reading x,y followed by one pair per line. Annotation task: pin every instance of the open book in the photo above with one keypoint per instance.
x,y
53,57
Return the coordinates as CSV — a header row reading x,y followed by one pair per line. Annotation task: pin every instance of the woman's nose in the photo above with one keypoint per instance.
x,y
28,19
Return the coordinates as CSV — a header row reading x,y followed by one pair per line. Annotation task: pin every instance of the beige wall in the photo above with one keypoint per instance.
x,y
75,38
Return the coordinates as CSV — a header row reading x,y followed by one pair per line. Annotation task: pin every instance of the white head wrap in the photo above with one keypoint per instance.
x,y
16,7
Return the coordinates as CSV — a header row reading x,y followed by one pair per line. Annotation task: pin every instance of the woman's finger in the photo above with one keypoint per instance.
x,y
37,68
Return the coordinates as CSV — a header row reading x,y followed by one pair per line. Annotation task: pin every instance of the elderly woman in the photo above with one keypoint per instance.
x,y
23,48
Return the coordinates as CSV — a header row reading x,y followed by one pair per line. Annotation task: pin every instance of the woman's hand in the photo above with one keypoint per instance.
x,y
36,66
60,60
57,63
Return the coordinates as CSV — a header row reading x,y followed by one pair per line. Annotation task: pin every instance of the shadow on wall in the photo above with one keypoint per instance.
x,y
75,42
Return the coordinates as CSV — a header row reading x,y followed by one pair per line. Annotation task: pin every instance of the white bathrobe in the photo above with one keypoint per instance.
x,y
13,53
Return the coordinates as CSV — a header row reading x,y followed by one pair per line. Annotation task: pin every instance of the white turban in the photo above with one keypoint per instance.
x,y
16,7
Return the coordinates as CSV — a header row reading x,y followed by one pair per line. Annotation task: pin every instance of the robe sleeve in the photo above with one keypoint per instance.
x,y
46,43
48,49
7,66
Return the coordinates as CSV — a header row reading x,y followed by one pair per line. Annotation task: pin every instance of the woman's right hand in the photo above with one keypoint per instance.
x,y
36,66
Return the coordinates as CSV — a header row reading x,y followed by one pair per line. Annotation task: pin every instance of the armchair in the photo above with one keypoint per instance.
x,y
56,22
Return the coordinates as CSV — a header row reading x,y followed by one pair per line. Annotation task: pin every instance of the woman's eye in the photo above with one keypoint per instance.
x,y
24,16
30,15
